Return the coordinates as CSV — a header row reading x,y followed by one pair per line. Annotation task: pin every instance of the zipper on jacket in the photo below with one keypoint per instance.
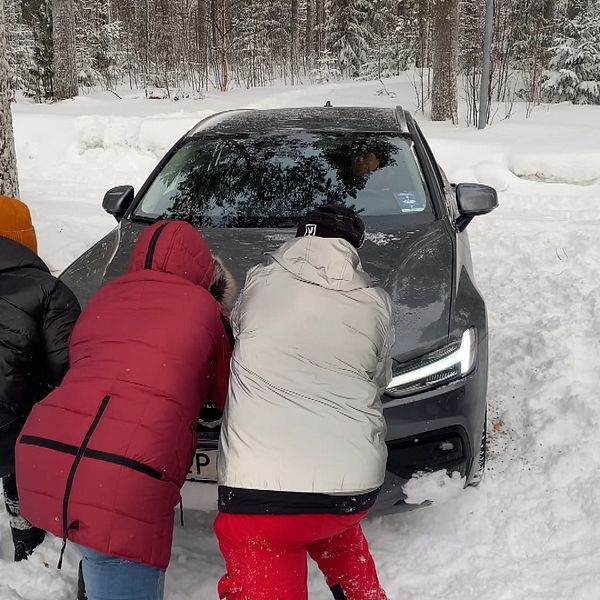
x,y
152,246
71,476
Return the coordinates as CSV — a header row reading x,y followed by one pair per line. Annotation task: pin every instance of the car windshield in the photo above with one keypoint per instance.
x,y
273,179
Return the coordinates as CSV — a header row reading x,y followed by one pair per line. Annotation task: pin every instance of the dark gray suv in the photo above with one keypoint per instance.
x,y
246,177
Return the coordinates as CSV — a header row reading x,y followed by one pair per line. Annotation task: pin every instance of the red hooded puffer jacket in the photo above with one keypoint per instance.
x,y
102,459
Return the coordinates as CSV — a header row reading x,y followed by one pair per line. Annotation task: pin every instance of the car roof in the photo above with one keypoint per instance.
x,y
328,118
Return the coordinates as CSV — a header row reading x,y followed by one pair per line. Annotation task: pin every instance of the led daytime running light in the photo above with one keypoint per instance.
x,y
464,356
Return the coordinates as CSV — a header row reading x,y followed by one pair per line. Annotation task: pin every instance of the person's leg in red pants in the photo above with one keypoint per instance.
x,y
265,556
261,563
348,566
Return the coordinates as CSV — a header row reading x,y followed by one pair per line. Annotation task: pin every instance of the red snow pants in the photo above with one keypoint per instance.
x,y
265,556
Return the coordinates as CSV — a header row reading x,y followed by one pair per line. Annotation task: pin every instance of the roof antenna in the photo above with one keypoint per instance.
x,y
328,104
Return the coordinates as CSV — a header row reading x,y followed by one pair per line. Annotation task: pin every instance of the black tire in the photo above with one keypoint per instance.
x,y
480,466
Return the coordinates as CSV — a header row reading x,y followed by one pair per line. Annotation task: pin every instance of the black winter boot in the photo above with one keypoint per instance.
x,y
26,541
26,538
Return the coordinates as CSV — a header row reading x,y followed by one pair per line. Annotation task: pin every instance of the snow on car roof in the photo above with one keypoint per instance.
x,y
315,118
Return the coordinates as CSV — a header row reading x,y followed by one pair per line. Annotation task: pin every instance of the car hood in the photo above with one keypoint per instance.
x,y
413,265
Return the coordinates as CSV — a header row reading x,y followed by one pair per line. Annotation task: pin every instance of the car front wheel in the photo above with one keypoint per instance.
x,y
480,467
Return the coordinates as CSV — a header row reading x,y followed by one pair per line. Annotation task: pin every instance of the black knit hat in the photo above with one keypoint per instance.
x,y
333,221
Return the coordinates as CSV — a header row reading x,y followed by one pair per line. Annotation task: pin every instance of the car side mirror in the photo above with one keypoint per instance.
x,y
117,201
474,199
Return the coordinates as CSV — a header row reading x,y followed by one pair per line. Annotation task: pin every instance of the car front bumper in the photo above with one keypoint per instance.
x,y
436,430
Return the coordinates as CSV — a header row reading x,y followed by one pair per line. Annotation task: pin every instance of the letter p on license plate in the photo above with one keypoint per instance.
x,y
204,467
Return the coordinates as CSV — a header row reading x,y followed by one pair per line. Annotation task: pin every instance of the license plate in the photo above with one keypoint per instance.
x,y
204,467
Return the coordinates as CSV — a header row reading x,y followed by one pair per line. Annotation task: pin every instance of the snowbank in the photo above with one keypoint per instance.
x,y
152,135
581,168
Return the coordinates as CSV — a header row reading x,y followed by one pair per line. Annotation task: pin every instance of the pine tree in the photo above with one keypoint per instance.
x,y
394,42
254,54
326,69
349,33
279,41
65,57
39,84
574,73
533,34
20,44
9,185
99,61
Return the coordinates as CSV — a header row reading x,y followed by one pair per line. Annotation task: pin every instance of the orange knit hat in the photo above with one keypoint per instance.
x,y
15,222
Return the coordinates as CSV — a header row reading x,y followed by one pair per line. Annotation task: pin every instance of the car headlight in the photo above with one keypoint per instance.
x,y
442,366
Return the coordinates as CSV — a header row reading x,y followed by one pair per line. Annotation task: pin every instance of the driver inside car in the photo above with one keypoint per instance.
x,y
364,163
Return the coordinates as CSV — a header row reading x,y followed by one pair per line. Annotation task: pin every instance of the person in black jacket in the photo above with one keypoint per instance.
x,y
37,314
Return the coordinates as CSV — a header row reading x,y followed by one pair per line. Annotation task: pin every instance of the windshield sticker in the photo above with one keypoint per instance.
x,y
409,202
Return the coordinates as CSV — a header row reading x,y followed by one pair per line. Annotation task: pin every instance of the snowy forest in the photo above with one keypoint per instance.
x,y
543,50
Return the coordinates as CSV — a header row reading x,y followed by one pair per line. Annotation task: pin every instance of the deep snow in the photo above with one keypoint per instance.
x,y
532,529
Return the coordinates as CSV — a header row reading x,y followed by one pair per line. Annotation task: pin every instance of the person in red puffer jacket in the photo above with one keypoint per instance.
x,y
102,459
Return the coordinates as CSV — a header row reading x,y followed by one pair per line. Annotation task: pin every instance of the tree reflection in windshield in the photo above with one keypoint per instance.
x,y
272,180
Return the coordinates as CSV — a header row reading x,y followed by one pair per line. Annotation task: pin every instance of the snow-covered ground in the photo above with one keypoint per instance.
x,y
532,529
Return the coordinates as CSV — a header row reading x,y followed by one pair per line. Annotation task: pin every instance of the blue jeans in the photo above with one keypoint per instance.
x,y
113,578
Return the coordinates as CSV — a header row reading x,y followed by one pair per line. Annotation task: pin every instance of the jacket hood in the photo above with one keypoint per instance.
x,y
222,285
328,262
174,247
14,255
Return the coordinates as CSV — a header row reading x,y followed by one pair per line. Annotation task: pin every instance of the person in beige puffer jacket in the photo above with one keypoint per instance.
x,y
303,439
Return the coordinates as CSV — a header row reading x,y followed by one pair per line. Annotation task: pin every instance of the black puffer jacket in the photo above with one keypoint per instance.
x,y
37,315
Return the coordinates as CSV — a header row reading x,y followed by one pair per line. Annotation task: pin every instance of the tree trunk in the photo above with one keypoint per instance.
x,y
424,23
294,42
65,63
224,48
445,61
549,10
309,41
9,185
203,42
320,24
214,23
